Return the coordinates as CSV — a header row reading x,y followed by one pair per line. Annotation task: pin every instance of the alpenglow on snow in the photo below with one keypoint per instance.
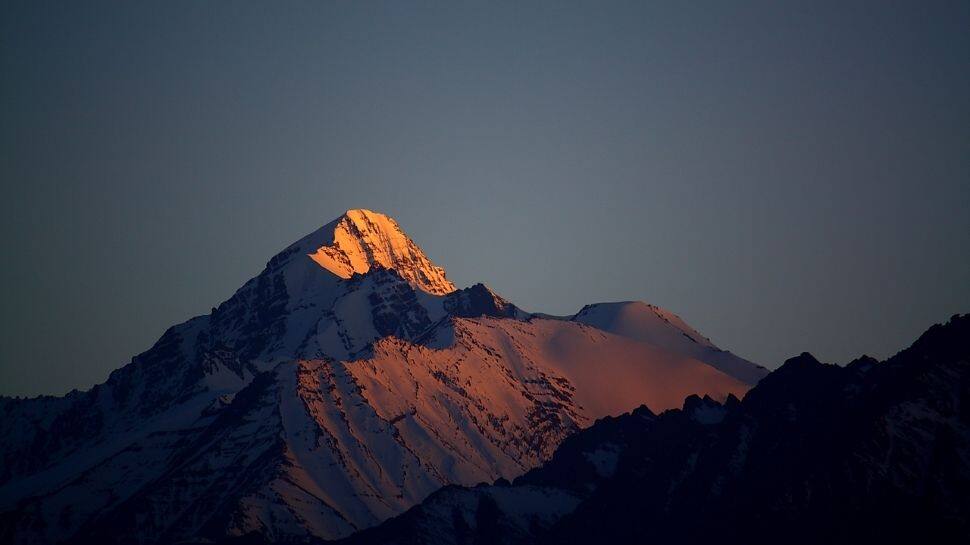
x,y
342,385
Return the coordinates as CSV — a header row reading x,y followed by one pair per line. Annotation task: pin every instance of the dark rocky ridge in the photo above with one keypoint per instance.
x,y
866,453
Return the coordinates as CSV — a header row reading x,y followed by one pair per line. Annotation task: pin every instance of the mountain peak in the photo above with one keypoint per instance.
x,y
361,239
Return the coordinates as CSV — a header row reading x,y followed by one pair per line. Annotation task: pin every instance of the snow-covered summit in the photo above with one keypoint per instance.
x,y
337,388
361,239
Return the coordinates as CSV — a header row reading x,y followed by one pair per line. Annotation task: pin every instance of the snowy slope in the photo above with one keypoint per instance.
x,y
339,387
664,329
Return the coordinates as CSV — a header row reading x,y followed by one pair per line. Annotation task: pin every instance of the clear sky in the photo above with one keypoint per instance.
x,y
786,176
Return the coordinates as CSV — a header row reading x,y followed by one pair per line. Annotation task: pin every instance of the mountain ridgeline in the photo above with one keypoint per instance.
x,y
344,384
872,452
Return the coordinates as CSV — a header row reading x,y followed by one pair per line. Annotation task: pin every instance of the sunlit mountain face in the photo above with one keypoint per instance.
x,y
362,240
341,386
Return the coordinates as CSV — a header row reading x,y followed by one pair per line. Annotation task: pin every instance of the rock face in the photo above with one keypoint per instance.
x,y
339,387
867,453
363,239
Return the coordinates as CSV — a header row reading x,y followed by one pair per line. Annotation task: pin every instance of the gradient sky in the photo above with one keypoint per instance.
x,y
786,176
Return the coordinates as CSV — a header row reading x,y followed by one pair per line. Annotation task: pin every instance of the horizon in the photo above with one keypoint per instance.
x,y
539,312
786,179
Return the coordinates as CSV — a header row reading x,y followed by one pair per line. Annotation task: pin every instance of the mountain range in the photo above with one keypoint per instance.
x,y
869,452
341,386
